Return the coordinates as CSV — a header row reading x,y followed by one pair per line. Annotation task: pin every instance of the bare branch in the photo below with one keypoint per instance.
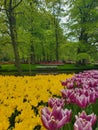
x,y
17,4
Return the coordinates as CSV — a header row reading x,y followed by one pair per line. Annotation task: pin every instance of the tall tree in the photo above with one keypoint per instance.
x,y
10,6
37,22
83,22
82,19
56,8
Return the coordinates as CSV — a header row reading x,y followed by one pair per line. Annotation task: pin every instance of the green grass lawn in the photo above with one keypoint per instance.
x,y
11,68
73,66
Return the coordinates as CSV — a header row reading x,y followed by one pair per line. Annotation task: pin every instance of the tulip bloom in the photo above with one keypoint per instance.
x,y
82,124
82,101
91,118
57,101
68,95
56,118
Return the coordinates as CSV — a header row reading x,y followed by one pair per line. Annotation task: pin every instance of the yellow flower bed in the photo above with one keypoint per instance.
x,y
21,99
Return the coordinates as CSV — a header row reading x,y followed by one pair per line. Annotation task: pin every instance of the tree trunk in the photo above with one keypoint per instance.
x,y
15,48
43,53
56,26
56,39
83,36
10,7
32,55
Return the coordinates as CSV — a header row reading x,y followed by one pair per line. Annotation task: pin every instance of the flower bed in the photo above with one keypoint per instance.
x,y
77,109
22,98
52,63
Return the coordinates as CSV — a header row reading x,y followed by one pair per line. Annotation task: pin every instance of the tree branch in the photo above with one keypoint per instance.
x,y
18,13
5,5
17,4
4,10
10,4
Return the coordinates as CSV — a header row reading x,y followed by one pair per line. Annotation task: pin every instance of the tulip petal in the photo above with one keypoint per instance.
x,y
45,122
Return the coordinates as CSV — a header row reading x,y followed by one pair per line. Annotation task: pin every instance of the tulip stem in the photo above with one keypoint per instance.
x,y
66,127
95,106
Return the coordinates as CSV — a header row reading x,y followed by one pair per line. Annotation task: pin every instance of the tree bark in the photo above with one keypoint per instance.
x,y
32,55
43,53
57,42
9,8
83,36
56,29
